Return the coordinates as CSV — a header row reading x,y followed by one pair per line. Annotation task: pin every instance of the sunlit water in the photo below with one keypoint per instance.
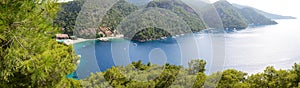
x,y
253,49
249,50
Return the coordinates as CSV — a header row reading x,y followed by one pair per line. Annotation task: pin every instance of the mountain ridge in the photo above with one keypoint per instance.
x,y
232,17
239,18
266,14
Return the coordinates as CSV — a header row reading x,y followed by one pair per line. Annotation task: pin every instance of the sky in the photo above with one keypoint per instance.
x,y
281,7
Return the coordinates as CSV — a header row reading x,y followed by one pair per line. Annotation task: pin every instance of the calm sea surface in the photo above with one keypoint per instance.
x,y
249,50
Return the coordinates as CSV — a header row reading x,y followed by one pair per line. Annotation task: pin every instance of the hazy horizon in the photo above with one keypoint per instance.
x,y
280,7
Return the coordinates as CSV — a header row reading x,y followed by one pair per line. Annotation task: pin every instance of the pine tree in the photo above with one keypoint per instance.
x,y
29,57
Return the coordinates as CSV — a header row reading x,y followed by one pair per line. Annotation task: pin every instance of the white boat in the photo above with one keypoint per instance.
x,y
134,44
103,39
234,30
78,61
163,37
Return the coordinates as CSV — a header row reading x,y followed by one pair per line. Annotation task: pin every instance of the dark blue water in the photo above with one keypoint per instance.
x,y
98,56
249,50
105,53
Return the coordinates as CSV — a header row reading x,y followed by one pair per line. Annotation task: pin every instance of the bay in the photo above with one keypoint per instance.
x,y
249,50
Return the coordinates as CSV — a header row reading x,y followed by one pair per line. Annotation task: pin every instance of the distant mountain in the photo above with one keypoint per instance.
x,y
125,8
182,10
159,13
254,18
230,16
266,14
173,14
239,18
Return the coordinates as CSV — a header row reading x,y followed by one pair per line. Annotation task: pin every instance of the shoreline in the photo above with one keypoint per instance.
x,y
79,40
71,42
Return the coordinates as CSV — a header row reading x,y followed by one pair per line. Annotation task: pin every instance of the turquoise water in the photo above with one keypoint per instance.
x,y
61,40
249,50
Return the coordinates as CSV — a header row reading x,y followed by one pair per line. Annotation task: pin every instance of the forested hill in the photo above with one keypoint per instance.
x,y
160,18
230,16
183,11
183,15
266,14
116,14
66,17
255,18
123,9
239,18
69,12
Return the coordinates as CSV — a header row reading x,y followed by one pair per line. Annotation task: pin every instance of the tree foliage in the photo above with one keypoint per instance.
x,y
67,15
122,9
29,57
185,12
178,77
150,34
117,13
196,66
230,16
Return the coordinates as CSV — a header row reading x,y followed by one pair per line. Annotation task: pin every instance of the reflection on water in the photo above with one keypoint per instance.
x,y
253,49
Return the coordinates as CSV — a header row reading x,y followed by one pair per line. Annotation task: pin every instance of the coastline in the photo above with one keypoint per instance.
x,y
81,40
71,42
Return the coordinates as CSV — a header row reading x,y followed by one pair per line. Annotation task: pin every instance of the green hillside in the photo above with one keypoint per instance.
x,y
255,18
117,13
182,10
66,17
239,18
184,13
230,16
266,14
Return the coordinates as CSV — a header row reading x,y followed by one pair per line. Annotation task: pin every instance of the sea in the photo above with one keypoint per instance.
x,y
250,50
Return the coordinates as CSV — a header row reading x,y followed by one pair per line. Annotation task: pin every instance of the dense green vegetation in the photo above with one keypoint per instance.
x,y
138,75
117,13
185,12
66,17
172,17
230,16
235,18
29,56
150,33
